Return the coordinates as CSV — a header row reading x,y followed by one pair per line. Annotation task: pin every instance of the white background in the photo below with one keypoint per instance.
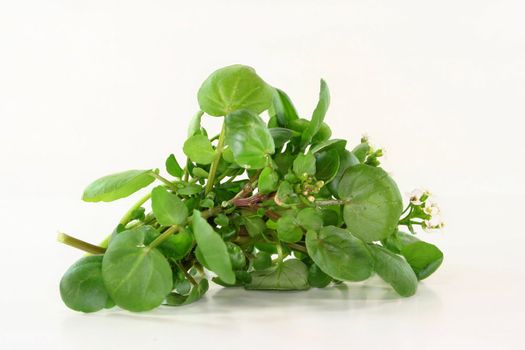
x,y
88,88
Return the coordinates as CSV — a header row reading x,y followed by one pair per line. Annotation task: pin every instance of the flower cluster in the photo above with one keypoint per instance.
x,y
422,211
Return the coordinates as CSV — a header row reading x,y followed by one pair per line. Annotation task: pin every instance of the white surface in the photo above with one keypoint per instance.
x,y
89,88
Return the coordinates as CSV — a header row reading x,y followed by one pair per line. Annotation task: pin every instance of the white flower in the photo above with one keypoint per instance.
x,y
431,208
417,195
433,224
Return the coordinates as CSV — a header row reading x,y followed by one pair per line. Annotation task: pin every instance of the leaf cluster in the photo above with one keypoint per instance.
x,y
272,202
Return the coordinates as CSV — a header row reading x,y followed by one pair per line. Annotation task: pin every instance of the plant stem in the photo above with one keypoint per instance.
x,y
127,217
164,236
297,247
324,203
186,274
79,244
164,180
215,164
280,252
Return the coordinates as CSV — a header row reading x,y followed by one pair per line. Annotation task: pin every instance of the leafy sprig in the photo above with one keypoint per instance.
x,y
268,205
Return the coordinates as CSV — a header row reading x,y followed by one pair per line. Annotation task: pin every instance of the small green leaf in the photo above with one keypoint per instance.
x,y
361,151
199,149
262,261
375,203
285,195
304,164
327,164
339,254
232,88
178,245
423,257
318,114
284,108
336,144
249,139
189,189
237,257
310,219
394,270
82,288
317,278
116,186
292,274
268,181
196,293
194,126
212,248
281,136
346,160
167,207
137,277
172,167
288,229
254,225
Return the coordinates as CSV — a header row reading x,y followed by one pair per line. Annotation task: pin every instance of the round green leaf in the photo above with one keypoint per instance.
x,y
137,277
304,164
339,254
82,288
292,274
268,181
262,260
232,88
116,186
423,257
213,249
172,167
167,207
199,149
394,270
237,257
346,160
288,229
178,245
310,219
317,278
375,203
249,139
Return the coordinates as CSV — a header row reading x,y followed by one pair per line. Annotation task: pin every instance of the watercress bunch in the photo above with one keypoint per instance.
x,y
265,205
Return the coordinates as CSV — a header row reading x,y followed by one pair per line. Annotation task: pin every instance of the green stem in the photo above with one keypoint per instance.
x,y
215,164
164,236
280,253
79,244
186,274
324,203
298,247
127,217
164,180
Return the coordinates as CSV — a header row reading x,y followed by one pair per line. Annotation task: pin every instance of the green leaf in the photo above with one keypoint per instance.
x,y
212,248
254,225
232,88
336,144
288,229
339,254
285,195
196,293
167,207
189,189
327,164
346,160
394,270
318,114
262,260
423,257
82,288
137,277
375,203
172,167
317,278
310,219
398,241
116,186
284,108
292,274
194,126
237,257
199,149
268,181
304,164
178,245
281,136
249,139
361,151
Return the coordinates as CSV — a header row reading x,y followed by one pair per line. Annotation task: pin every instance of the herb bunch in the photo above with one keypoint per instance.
x,y
276,205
